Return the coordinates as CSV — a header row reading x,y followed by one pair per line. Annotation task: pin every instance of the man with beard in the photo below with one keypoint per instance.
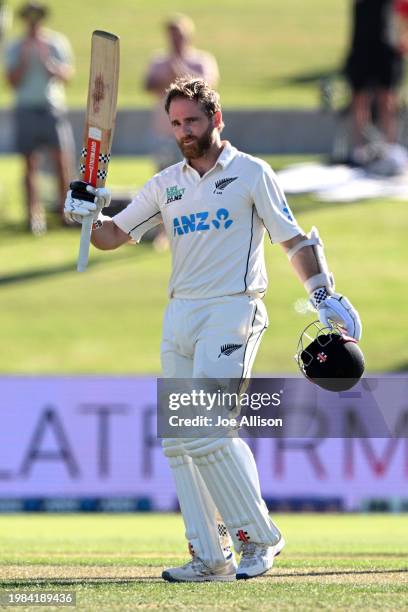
x,y
215,206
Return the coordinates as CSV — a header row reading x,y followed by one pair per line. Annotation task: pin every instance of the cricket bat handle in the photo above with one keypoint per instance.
x,y
84,244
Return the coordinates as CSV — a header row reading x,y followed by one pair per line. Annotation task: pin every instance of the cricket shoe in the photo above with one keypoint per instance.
x,y
197,571
256,559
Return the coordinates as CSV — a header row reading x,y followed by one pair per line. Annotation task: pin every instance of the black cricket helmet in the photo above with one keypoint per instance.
x,y
329,358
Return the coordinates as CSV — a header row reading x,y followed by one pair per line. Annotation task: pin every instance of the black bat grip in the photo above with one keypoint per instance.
x,y
79,192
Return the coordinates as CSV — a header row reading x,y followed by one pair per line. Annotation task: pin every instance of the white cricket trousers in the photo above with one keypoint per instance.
x,y
216,338
212,338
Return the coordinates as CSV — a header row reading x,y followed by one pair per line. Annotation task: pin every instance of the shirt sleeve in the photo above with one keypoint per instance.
x,y
11,55
401,8
142,214
62,50
210,70
272,207
155,67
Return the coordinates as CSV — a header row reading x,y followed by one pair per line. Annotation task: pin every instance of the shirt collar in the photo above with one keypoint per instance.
x,y
226,156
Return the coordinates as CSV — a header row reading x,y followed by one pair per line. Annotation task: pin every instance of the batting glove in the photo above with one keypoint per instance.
x,y
83,200
336,308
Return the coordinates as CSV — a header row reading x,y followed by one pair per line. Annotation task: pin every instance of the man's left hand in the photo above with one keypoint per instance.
x,y
336,308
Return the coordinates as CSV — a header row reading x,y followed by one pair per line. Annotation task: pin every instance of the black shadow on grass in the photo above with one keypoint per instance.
x,y
30,582
39,273
305,79
335,573
308,77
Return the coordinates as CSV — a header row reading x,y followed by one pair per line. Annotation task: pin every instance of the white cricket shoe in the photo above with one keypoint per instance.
x,y
256,559
197,571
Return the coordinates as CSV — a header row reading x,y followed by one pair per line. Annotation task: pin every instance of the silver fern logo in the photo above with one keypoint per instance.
x,y
223,183
227,349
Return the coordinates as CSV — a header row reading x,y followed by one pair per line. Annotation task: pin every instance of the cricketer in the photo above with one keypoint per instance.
x,y
216,206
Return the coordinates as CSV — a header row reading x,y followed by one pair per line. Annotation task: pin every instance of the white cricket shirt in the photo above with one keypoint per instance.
x,y
215,223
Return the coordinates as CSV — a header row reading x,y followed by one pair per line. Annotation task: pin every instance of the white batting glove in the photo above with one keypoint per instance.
x,y
336,308
76,209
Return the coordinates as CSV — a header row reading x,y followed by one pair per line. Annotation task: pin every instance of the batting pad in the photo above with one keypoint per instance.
x,y
207,535
228,468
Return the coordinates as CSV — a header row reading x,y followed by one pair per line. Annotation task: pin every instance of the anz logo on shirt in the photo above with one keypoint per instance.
x,y
286,210
199,222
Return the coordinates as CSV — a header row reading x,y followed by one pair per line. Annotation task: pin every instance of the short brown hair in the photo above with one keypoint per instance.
x,y
33,8
198,90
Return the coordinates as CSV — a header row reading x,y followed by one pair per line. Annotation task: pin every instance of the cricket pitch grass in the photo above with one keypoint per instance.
x,y
114,562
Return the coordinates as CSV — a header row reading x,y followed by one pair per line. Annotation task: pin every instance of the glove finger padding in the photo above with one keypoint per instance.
x,y
83,200
338,309
76,210
102,196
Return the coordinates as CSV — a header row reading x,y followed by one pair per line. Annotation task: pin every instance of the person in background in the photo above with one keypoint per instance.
x,y
374,69
37,67
180,60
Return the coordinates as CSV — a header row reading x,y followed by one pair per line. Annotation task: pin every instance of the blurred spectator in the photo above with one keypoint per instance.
x,y
37,66
181,59
374,69
401,24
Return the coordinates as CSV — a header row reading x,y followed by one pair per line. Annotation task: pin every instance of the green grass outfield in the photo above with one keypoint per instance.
x,y
270,53
114,562
108,320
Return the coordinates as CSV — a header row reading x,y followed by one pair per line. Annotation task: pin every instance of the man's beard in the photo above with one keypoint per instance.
x,y
199,146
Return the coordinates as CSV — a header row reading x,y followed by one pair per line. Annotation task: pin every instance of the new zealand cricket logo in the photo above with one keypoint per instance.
x,y
222,184
227,349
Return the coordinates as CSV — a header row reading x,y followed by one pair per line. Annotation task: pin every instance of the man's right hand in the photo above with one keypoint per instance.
x,y
84,200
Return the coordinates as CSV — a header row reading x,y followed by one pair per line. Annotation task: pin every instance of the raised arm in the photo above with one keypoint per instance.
x,y
106,235
137,218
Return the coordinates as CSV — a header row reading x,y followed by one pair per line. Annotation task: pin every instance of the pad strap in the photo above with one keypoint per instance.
x,y
323,278
300,245
319,280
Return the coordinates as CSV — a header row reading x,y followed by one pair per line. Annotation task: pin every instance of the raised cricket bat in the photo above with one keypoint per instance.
x,y
99,126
